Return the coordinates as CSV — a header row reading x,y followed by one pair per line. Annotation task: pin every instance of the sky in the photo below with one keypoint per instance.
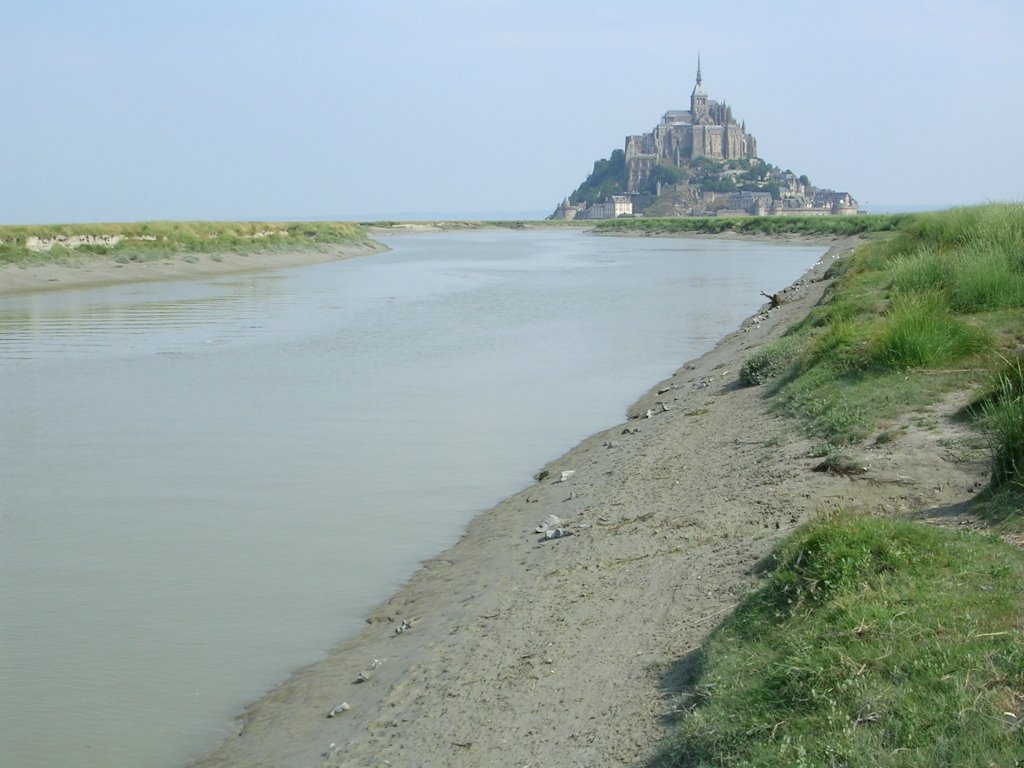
x,y
120,110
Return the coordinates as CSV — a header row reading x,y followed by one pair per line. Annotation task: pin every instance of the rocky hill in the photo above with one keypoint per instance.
x,y
696,162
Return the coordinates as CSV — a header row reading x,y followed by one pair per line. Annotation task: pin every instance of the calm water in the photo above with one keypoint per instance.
x,y
204,485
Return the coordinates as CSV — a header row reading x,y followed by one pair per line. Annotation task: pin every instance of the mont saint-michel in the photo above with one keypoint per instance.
x,y
697,162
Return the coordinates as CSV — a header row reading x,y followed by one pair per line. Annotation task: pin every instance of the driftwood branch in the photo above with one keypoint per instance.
x,y
774,299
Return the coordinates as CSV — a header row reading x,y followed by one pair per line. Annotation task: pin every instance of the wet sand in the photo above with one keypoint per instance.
x,y
512,648
97,271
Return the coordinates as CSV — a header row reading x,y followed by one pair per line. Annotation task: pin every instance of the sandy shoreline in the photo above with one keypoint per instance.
x,y
99,271
516,650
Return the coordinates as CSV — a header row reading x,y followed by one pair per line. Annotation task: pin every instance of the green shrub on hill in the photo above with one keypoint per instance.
x,y
607,178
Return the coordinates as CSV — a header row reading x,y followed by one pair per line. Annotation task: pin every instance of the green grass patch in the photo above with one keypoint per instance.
x,y
919,331
871,643
920,271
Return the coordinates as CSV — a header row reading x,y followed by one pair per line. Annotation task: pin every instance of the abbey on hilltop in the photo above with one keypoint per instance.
x,y
706,129
696,162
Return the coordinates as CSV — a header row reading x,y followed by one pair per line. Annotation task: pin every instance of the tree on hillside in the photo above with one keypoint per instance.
x,y
607,178
707,166
666,174
724,184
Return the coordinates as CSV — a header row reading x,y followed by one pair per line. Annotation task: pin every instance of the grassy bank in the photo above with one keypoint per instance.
x,y
755,225
146,241
877,642
872,643
933,309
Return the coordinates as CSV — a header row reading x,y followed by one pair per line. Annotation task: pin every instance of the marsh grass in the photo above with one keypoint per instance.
x,y
871,643
919,271
978,276
919,331
906,317
987,275
1001,413
146,241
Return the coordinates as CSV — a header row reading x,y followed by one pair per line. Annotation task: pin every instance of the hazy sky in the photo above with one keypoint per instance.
x,y
120,110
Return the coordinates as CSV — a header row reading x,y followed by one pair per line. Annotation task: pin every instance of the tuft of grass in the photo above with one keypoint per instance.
x,y
839,346
919,331
920,271
770,361
885,437
986,275
1002,417
871,642
840,464
1003,508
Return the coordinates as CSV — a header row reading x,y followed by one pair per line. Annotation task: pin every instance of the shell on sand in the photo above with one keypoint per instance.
x,y
549,522
555,533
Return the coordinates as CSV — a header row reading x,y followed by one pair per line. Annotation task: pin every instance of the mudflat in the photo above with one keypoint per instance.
x,y
566,642
98,271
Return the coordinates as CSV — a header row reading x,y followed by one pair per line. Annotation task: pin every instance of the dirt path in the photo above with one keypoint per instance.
x,y
522,651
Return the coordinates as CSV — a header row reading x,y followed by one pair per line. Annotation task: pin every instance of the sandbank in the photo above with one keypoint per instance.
x,y
513,649
93,271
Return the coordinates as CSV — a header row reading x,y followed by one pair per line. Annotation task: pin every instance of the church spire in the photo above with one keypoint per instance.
x,y
698,89
699,98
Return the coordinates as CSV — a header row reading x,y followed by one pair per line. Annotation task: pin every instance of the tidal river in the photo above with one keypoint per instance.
x,y
205,485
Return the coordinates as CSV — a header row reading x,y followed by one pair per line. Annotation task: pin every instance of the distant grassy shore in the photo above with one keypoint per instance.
x,y
69,256
70,244
768,226
872,641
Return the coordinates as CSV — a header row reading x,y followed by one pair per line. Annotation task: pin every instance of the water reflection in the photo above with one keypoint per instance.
x,y
58,325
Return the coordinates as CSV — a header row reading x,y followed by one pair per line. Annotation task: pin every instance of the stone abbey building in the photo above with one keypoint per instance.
x,y
706,129
629,186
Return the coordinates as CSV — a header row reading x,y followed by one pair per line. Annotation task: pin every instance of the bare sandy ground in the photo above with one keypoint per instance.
x,y
510,649
88,271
